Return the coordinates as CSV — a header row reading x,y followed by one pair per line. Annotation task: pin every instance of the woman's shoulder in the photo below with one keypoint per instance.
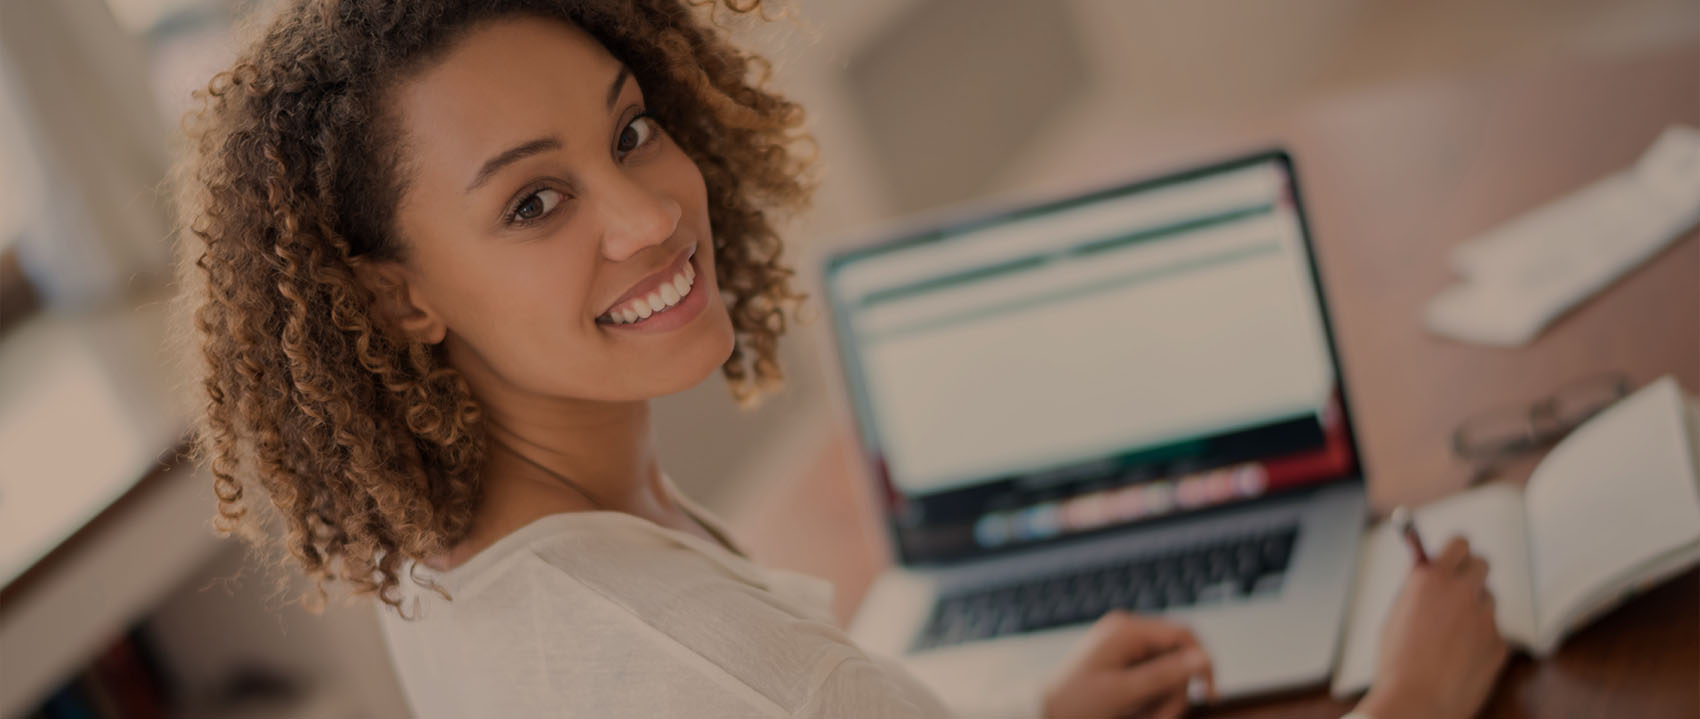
x,y
642,564
614,555
685,587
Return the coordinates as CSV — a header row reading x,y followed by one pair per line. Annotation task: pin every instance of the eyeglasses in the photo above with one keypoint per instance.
x,y
1493,438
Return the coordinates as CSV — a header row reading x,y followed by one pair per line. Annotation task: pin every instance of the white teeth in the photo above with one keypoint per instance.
x,y
666,295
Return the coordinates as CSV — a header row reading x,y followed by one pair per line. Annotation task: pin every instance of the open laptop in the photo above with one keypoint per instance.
x,y
1127,398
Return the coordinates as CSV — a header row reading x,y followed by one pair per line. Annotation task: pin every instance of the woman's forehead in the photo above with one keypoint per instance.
x,y
506,82
508,44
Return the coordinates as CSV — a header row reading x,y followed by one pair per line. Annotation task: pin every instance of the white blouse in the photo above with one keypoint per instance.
x,y
605,614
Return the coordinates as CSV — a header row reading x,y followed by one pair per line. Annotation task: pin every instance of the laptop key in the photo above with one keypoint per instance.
x,y
1179,595
1149,600
1278,550
1034,615
1248,584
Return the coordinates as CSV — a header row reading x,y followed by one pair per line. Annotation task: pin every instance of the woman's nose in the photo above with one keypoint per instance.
x,y
634,218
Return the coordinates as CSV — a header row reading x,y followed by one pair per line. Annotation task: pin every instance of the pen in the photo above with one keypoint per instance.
x,y
1408,527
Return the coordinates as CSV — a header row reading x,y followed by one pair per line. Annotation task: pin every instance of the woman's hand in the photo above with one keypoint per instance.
x,y
1129,666
1440,650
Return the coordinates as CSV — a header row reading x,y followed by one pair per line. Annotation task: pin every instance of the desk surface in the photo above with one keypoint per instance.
x,y
1392,179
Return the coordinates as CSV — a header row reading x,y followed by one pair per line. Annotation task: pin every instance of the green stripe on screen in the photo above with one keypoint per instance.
x,y
1073,292
1020,264
1176,228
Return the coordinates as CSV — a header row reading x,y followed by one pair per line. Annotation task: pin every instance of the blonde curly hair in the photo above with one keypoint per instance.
x,y
369,445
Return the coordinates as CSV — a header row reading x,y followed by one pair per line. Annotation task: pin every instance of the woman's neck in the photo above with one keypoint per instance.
x,y
550,455
550,462
603,451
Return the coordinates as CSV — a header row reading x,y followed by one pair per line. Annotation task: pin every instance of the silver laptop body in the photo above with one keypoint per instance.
x,y
1128,398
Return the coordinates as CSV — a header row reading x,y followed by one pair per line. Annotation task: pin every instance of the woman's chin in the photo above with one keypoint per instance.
x,y
714,356
688,366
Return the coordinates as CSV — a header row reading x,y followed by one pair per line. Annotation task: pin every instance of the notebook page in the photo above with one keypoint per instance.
x,y
1615,495
1491,517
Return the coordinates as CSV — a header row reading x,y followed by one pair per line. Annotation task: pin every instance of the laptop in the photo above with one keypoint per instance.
x,y
1128,398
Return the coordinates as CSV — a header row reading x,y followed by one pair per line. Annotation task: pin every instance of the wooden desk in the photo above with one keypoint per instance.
x,y
1392,179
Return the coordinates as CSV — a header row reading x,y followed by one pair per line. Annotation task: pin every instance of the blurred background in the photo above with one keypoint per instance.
x,y
112,578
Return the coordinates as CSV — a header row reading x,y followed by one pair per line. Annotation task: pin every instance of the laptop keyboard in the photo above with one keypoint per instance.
x,y
1235,567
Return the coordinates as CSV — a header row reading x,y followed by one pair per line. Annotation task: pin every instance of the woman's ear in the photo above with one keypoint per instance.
x,y
399,303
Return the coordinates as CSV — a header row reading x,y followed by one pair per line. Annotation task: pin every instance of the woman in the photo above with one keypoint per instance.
x,y
445,253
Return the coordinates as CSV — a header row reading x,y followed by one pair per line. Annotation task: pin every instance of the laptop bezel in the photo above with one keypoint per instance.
x,y
952,222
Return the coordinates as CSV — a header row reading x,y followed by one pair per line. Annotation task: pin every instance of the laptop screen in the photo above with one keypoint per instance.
x,y
1139,352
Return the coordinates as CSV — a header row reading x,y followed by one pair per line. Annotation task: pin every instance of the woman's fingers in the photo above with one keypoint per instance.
x,y
1173,706
1159,677
1184,638
1456,553
1476,571
1120,638
1209,678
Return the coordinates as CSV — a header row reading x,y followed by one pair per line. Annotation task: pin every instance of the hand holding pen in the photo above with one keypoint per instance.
x,y
1440,650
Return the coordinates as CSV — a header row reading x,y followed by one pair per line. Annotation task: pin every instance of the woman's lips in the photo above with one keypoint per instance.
x,y
662,295
651,284
688,307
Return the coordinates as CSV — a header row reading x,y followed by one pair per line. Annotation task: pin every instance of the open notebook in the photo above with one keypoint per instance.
x,y
1612,510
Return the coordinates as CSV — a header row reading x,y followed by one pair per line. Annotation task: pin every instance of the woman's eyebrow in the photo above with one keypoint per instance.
x,y
541,144
512,155
619,84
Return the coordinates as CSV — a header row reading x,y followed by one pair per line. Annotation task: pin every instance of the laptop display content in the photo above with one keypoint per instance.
x,y
1142,352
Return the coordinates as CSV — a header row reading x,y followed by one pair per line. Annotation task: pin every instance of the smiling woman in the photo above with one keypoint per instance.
x,y
384,245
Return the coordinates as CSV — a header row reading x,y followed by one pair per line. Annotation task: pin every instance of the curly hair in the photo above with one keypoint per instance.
x,y
368,444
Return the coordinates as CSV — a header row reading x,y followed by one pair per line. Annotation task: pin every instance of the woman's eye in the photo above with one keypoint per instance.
x,y
637,133
535,205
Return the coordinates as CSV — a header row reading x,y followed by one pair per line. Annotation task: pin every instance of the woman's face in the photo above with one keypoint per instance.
x,y
555,238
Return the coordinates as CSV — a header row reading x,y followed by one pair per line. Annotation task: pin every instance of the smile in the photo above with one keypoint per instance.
x,y
654,300
664,297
